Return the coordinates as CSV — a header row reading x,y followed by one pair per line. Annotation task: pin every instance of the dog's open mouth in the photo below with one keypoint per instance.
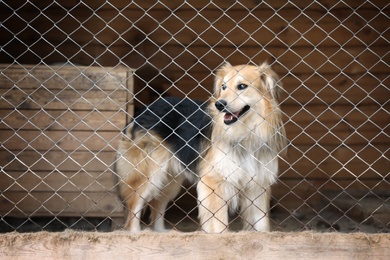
x,y
230,118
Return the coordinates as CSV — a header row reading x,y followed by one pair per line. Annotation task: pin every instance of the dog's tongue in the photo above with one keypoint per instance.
x,y
229,116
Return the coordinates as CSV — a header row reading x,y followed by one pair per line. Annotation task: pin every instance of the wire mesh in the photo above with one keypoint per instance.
x,y
74,74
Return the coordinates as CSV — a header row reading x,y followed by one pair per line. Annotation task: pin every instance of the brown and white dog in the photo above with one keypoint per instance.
x,y
229,146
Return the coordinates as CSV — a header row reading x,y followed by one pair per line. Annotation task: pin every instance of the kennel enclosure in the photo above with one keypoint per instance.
x,y
74,71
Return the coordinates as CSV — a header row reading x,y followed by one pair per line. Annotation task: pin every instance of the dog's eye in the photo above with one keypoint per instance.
x,y
224,86
241,86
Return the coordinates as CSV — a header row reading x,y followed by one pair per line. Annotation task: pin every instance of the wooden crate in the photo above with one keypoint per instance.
x,y
59,129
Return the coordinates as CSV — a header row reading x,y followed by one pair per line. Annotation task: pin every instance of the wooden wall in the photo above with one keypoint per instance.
x,y
332,56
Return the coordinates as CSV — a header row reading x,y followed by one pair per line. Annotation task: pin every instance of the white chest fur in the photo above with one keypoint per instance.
x,y
240,167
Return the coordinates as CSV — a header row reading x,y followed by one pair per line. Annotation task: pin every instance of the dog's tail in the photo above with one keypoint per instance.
x,y
128,131
127,136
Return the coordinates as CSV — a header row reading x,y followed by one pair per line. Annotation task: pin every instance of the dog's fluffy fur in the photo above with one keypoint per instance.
x,y
230,147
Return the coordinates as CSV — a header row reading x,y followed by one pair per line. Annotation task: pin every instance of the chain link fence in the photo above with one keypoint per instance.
x,y
74,73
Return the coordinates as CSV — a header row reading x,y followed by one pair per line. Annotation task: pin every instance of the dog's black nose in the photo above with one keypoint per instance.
x,y
221,105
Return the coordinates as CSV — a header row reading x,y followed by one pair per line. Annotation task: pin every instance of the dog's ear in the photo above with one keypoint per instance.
x,y
219,75
270,80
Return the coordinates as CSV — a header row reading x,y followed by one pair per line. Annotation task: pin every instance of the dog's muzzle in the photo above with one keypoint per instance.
x,y
221,105
230,117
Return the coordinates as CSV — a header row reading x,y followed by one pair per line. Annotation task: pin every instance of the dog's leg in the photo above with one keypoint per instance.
x,y
158,205
157,213
213,208
135,189
255,204
135,204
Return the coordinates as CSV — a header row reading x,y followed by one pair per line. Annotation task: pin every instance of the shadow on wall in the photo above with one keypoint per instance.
x,y
149,84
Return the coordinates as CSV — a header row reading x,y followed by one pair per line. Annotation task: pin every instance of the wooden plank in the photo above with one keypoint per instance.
x,y
343,82
343,162
65,194
355,116
64,182
317,133
319,58
302,60
319,26
63,120
199,23
72,161
150,245
201,4
317,194
306,59
358,121
295,62
332,169
59,140
97,204
320,152
59,77
291,80
341,135
68,98
289,26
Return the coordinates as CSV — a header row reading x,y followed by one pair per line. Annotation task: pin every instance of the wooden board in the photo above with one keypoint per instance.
x,y
78,120
344,162
200,4
59,77
174,245
58,181
187,23
65,204
26,139
59,131
324,38
63,99
77,160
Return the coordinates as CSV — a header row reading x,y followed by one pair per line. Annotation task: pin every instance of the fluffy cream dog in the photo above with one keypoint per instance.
x,y
230,146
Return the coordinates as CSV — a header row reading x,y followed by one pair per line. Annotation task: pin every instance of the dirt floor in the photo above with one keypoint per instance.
x,y
370,215
177,219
